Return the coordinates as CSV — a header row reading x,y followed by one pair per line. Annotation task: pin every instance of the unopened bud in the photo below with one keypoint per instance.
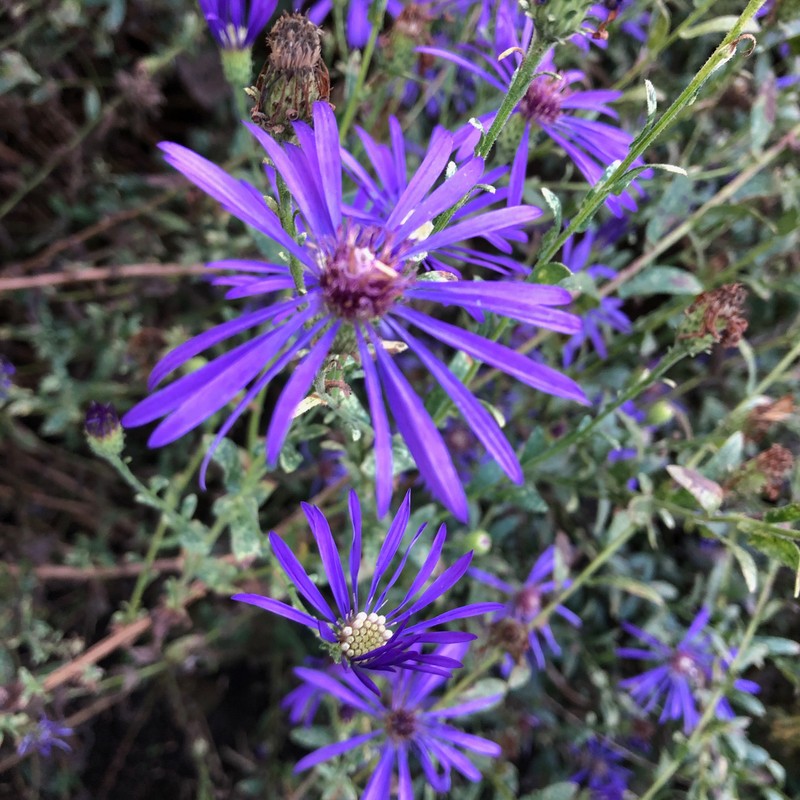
x,y
480,542
103,431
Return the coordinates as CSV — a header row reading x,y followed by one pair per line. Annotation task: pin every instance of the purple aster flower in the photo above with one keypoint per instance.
x,y
372,633
6,371
357,24
406,722
602,771
608,314
44,737
549,105
383,187
683,673
236,23
360,279
524,605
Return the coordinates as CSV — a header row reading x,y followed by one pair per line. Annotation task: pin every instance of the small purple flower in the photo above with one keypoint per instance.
x,y
602,770
550,105
608,314
407,723
684,672
526,603
236,23
358,26
44,737
6,371
367,635
361,277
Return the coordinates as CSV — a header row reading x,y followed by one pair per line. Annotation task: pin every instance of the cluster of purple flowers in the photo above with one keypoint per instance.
x,y
379,257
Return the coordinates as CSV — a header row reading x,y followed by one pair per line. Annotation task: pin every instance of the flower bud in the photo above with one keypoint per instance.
x,y
103,431
556,20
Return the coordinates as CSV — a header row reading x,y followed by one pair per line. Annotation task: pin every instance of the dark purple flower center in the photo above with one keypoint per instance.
x,y
685,664
401,724
528,602
542,101
362,278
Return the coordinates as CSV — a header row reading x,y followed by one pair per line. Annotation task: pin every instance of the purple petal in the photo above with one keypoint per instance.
x,y
538,376
294,569
333,750
423,439
277,607
296,389
380,424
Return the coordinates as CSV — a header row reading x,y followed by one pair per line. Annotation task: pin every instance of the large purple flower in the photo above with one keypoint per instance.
x,y
361,277
525,603
370,632
550,104
406,723
236,23
682,673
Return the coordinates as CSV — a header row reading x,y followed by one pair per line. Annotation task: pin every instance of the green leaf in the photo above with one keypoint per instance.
x,y
747,564
727,458
788,553
661,280
720,24
240,513
631,586
194,540
788,513
564,790
552,273
227,456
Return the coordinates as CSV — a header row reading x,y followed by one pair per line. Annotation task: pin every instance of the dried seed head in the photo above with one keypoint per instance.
x,y
717,314
511,636
293,78
294,43
773,464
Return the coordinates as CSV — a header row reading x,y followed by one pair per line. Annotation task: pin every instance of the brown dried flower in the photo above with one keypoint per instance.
x,y
773,464
293,77
718,314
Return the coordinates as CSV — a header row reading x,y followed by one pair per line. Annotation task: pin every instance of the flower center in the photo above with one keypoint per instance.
x,y
684,664
401,724
542,101
362,633
528,602
361,279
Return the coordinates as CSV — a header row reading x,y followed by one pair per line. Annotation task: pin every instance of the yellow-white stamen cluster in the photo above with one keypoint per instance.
x,y
362,633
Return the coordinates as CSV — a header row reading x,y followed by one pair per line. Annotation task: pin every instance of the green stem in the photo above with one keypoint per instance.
x,y
519,85
675,355
175,491
775,374
693,741
366,60
286,217
595,199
